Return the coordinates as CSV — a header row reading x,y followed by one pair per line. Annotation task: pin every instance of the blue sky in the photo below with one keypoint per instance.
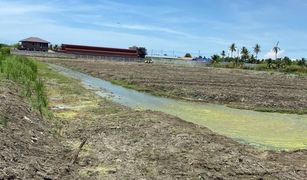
x,y
164,26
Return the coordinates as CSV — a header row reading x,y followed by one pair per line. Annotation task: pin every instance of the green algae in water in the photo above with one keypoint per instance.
x,y
266,130
274,131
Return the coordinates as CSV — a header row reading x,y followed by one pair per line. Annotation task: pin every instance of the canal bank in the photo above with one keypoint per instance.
x,y
273,131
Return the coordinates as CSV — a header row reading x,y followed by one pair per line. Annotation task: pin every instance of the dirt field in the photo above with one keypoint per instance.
x,y
27,148
123,143
262,91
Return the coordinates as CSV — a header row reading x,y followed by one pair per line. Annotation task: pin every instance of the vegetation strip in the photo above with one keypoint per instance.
x,y
247,60
24,71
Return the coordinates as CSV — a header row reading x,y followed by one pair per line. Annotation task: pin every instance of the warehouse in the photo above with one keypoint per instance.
x,y
98,51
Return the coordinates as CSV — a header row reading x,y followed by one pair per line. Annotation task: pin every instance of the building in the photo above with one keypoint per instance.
x,y
98,51
34,44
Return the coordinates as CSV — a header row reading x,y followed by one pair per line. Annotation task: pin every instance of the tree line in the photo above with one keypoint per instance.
x,y
245,57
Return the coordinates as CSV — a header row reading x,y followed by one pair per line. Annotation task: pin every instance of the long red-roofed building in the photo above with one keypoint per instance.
x,y
98,51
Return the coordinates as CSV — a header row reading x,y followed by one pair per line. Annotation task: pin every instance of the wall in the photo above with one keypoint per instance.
x,y
70,56
42,54
34,46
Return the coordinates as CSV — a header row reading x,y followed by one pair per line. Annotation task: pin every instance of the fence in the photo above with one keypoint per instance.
x,y
71,56
89,57
42,54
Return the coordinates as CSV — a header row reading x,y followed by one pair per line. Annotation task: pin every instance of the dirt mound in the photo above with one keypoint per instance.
x,y
28,150
158,146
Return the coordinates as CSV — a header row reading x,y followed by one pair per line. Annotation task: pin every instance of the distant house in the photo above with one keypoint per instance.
x,y
98,51
34,44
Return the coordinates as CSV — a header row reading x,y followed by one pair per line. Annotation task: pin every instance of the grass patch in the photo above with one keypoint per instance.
x,y
3,121
68,85
100,171
130,85
136,87
24,72
279,110
106,110
271,109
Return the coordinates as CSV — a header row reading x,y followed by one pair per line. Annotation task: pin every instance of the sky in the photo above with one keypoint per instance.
x,y
172,27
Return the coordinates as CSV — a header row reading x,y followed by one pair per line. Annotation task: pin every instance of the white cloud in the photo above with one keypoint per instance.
x,y
271,54
57,34
12,8
143,27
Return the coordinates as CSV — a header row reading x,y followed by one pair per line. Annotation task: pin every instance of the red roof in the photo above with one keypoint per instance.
x,y
98,51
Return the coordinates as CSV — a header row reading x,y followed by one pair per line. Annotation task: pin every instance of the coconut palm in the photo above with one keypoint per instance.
x,y
233,49
223,54
244,53
257,50
276,50
215,59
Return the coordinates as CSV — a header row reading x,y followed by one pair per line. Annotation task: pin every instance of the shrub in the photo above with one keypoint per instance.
x,y
261,67
295,69
187,55
215,60
5,51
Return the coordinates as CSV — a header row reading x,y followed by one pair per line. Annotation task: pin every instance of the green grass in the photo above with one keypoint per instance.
x,y
271,109
3,121
136,87
71,85
24,72
279,110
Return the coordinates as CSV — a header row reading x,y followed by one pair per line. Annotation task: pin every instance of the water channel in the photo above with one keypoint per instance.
x,y
274,131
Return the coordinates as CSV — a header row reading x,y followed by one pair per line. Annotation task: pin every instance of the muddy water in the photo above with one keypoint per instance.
x,y
273,131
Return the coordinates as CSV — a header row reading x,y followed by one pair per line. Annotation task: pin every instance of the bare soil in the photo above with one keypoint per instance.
x,y
264,91
123,143
27,148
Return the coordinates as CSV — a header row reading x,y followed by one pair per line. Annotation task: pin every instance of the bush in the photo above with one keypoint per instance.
x,y
142,51
295,69
215,60
302,62
5,51
261,67
187,55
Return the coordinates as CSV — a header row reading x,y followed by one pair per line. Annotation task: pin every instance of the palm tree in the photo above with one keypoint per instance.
x,y
223,54
276,50
244,53
257,50
233,48
56,47
215,59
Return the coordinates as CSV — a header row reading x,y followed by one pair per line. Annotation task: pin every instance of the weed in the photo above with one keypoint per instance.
x,y
25,72
3,121
41,98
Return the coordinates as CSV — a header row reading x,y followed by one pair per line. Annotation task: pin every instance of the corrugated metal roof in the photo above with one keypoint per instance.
x,y
98,51
34,39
